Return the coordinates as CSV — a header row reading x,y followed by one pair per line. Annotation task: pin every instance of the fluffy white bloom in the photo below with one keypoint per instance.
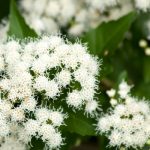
x,y
111,93
113,102
46,54
52,89
17,114
74,99
77,16
4,130
56,117
55,140
103,124
77,29
29,104
2,64
124,89
64,78
5,107
127,123
45,130
143,43
147,51
38,73
41,83
142,5
32,127
91,106
52,138
42,114
12,143
102,5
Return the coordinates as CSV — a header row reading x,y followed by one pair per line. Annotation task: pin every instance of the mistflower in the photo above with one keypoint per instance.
x,y
142,5
127,123
37,74
111,93
74,99
147,51
12,143
56,118
124,89
77,16
102,5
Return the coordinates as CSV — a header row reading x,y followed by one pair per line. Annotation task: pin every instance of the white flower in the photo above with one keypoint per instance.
x,y
143,43
46,131
4,128
127,122
75,16
42,114
124,89
56,117
91,106
81,74
41,83
120,109
142,5
55,140
116,138
111,92
77,29
53,8
113,102
74,99
5,84
55,41
38,73
63,78
12,143
147,51
32,127
103,124
5,107
87,94
102,5
2,65
17,114
29,104
52,89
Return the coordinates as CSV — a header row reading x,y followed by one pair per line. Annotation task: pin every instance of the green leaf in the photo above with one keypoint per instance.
x,y
80,124
146,70
108,35
18,26
139,28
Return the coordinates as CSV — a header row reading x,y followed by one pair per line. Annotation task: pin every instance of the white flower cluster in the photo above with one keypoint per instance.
x,y
75,16
142,5
33,75
12,143
128,123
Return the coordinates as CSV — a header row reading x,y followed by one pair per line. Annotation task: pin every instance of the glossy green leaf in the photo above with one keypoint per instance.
x,y
18,26
80,124
146,70
108,35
